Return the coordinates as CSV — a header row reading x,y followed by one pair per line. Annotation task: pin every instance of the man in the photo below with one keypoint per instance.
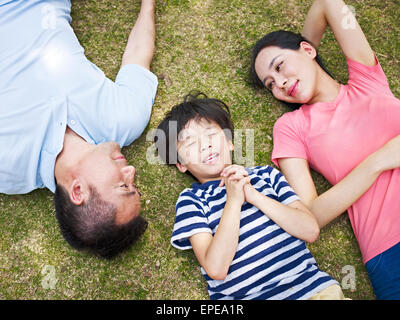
x,y
62,122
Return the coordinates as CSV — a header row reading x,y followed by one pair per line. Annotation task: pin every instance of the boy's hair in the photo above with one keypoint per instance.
x,y
195,106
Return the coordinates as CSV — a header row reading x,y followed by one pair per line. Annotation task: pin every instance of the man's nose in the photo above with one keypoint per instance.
x,y
128,174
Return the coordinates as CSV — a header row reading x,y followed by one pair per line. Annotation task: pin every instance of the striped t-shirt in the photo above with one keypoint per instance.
x,y
269,263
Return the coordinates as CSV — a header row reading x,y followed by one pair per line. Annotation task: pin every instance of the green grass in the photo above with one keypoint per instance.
x,y
203,45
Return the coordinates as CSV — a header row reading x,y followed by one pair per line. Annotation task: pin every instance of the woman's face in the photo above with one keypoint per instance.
x,y
291,75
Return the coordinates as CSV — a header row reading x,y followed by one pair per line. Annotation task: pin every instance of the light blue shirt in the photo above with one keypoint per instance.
x,y
47,83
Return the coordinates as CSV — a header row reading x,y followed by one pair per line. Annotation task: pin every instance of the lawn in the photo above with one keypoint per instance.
x,y
203,45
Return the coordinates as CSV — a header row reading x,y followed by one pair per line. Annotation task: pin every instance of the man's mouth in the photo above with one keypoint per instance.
x,y
293,89
120,157
212,158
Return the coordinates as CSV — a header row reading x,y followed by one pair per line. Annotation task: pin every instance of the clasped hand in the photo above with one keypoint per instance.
x,y
237,182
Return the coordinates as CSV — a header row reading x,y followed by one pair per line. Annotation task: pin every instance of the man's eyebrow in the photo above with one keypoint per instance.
x,y
129,194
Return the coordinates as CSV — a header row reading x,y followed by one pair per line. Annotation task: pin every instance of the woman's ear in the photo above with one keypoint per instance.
x,y
308,49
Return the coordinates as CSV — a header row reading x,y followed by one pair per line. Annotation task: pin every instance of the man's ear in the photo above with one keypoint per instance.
x,y
181,167
77,192
308,49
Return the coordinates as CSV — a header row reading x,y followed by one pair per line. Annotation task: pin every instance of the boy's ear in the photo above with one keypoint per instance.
x,y
181,167
231,146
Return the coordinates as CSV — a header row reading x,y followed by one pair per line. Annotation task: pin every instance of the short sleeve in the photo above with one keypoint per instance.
x,y
109,110
190,219
138,80
367,79
287,140
284,191
136,87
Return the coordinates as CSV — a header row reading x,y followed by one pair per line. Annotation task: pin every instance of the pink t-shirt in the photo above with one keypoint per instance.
x,y
335,137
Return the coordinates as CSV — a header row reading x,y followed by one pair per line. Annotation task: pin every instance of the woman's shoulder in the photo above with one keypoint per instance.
x,y
291,119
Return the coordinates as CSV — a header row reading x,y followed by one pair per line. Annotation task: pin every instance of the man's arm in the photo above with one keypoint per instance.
x,y
140,47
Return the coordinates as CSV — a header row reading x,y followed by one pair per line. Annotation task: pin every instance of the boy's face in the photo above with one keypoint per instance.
x,y
203,149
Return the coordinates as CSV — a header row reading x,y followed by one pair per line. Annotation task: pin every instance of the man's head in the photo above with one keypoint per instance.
x,y
97,203
202,141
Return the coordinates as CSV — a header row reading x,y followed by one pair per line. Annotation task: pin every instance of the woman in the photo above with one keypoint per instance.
x,y
348,133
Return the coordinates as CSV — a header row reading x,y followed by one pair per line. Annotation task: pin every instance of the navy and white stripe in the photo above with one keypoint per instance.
x,y
269,262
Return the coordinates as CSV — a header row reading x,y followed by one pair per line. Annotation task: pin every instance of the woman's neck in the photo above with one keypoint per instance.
x,y
327,88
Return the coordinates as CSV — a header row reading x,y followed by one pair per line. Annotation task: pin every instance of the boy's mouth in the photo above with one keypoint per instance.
x,y
211,159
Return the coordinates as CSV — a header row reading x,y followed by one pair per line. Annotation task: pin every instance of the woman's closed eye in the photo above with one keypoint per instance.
x,y
279,66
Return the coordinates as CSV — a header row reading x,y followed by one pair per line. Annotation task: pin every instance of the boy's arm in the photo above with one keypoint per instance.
x,y
294,218
215,253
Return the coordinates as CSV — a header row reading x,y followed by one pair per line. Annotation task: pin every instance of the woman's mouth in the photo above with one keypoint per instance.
x,y
293,89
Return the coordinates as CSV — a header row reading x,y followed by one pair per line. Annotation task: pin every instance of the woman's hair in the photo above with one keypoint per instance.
x,y
284,40
195,106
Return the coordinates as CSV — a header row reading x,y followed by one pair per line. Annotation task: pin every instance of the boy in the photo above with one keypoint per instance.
x,y
246,226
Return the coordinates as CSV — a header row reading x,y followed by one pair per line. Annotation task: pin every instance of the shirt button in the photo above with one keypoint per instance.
x,y
73,122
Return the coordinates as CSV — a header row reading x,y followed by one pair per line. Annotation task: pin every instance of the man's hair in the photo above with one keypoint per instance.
x,y
195,106
284,40
91,226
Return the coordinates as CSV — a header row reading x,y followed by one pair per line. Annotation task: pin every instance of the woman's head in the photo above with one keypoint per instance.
x,y
287,64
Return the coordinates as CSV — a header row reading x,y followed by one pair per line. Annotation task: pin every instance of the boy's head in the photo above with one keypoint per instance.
x,y
196,136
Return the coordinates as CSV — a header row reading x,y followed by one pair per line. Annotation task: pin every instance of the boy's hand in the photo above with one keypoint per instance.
x,y
250,193
235,189
233,172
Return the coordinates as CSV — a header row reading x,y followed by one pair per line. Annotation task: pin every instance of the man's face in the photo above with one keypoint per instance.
x,y
204,150
106,169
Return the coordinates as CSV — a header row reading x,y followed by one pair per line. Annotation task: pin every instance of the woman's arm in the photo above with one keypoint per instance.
x,y
329,205
347,31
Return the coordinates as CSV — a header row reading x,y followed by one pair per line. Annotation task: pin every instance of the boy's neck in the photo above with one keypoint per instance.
x,y
215,178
